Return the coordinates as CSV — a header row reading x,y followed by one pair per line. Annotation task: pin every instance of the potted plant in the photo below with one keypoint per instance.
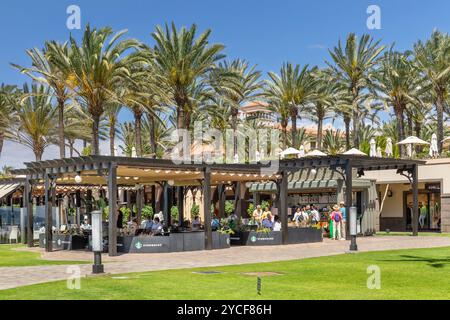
x,y
195,211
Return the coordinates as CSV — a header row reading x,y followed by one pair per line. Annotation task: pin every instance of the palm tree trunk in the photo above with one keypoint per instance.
x,y
440,121
294,129
400,129
409,119
95,135
355,129
151,122
2,140
62,145
180,118
112,137
71,148
284,129
234,114
138,132
347,121
319,133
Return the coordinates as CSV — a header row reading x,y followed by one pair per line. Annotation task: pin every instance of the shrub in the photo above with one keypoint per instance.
x,y
174,213
147,212
195,210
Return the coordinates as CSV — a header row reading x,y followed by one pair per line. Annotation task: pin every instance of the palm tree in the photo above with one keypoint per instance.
x,y
333,144
95,69
236,83
355,63
5,172
283,112
433,59
44,70
398,83
323,101
294,88
112,113
8,95
35,114
184,61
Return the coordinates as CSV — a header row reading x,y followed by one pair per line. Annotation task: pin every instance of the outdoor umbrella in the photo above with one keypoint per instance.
x,y
434,151
133,152
257,156
410,141
373,148
379,153
316,153
389,150
302,152
290,152
446,139
355,152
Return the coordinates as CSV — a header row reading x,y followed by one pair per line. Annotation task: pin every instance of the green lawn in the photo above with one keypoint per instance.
x,y
405,274
14,258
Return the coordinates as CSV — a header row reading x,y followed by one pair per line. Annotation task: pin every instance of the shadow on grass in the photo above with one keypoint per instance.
x,y
432,262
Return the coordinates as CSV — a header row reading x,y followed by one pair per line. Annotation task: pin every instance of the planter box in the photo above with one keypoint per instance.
x,y
143,244
295,235
65,242
220,240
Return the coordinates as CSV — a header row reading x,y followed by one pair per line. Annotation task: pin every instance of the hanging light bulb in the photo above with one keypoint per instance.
x,y
78,178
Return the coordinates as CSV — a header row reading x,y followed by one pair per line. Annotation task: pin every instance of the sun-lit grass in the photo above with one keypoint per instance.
x,y
422,234
10,257
405,274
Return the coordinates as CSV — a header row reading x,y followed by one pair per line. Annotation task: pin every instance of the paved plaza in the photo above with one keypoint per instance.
x,y
11,277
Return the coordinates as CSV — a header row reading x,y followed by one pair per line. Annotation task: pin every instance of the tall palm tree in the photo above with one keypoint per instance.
x,y
184,61
43,69
112,113
95,69
398,83
294,88
355,63
8,96
35,114
333,143
283,113
323,101
236,83
433,58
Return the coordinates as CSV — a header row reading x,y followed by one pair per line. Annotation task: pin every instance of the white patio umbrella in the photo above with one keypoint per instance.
x,y
316,153
379,153
373,148
257,156
434,151
290,152
354,152
389,150
446,139
236,158
133,152
410,141
302,152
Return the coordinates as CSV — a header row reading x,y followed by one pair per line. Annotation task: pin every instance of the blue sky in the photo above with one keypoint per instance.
x,y
265,32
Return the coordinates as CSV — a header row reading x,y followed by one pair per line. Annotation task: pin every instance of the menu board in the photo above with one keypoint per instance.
x,y
315,198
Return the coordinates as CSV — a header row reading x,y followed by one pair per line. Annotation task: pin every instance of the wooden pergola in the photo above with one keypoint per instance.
x,y
124,171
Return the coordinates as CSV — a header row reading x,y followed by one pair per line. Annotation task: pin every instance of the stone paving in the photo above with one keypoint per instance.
x,y
11,277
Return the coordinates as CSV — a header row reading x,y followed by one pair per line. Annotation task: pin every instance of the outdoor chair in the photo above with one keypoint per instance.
x,y
14,234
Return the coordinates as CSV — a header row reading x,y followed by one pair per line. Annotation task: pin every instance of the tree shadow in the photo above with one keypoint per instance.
x,y
432,262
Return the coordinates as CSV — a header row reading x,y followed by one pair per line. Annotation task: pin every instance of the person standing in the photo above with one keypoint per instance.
x,y
343,211
336,218
423,215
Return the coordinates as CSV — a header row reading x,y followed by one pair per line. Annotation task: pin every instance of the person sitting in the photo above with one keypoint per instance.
x,y
157,227
132,227
257,214
267,222
196,224
298,216
276,224
215,223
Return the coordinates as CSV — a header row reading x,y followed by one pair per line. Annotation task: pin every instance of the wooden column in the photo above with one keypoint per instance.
x,y
166,203
139,204
221,189
348,195
415,192
28,202
112,203
180,203
207,208
48,213
237,200
283,209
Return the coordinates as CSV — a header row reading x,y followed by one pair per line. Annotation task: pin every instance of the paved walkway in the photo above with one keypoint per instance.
x,y
11,277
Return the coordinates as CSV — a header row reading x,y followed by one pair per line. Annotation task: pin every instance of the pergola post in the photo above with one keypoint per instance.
x,y
221,189
282,200
180,204
207,208
139,204
237,200
48,213
28,202
415,192
166,203
112,203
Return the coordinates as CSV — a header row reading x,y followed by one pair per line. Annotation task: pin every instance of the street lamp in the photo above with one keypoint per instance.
x,y
353,229
97,241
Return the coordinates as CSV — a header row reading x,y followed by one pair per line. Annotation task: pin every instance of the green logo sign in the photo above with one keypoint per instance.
x,y
138,245
253,239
